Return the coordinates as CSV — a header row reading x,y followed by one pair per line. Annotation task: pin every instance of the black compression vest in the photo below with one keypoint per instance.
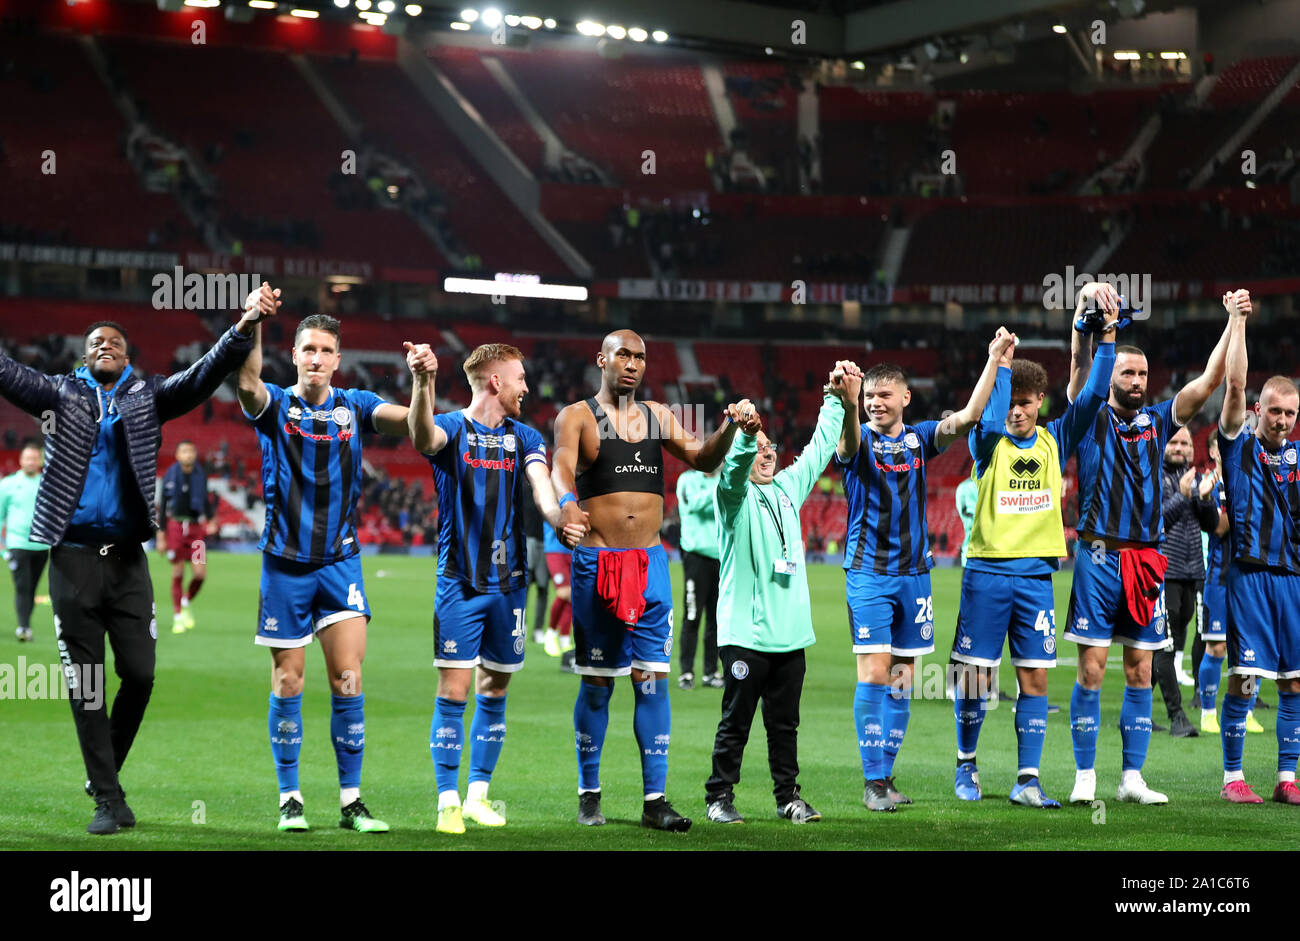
x,y
621,466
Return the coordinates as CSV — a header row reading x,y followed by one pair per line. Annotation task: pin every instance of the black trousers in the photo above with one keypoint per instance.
x,y
700,580
26,566
96,594
1180,601
775,679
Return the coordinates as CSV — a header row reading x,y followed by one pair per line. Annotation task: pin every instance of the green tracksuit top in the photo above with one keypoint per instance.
x,y
17,506
758,608
695,508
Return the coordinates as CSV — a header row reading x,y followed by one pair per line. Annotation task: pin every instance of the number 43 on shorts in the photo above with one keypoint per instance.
x,y
1045,624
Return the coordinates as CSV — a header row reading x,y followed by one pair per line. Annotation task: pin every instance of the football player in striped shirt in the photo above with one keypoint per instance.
x,y
480,457
1212,609
1261,478
887,558
311,565
1116,594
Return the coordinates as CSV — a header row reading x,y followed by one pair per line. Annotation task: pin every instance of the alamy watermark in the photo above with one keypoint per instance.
x,y
180,291
23,680
1060,290
78,893
691,418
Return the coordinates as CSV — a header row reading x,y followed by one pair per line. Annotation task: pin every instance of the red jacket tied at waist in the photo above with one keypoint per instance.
x,y
1142,572
621,583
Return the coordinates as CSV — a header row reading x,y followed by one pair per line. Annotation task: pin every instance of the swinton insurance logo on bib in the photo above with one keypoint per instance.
x,y
1025,501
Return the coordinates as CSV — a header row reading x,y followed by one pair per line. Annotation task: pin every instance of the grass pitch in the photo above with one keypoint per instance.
x,y
200,775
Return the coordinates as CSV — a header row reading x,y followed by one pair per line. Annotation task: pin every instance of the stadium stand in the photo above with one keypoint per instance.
x,y
87,193
205,106
397,117
611,110
467,72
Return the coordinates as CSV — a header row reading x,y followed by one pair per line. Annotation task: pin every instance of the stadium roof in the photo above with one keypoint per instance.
x,y
831,28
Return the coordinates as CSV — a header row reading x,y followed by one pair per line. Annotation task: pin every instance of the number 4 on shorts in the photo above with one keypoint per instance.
x,y
355,599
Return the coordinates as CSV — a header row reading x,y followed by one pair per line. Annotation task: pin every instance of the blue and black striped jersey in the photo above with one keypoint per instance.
x,y
885,486
311,472
1263,489
1119,474
479,475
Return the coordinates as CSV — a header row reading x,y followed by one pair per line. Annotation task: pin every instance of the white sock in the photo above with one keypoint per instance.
x,y
477,791
348,794
1284,776
185,601
1032,772
296,795
1132,775
448,799
1230,776
1085,773
588,790
965,756
653,797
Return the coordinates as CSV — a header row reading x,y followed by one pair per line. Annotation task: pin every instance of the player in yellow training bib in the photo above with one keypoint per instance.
x,y
1016,544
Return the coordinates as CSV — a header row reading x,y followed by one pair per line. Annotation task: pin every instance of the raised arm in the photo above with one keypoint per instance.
x,y
425,434
34,392
1082,411
1080,363
959,423
734,479
687,448
985,435
252,391
1081,343
1233,415
1193,396
395,420
800,477
851,428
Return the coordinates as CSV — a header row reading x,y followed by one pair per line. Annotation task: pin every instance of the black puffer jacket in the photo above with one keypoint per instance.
x,y
68,407
1184,520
